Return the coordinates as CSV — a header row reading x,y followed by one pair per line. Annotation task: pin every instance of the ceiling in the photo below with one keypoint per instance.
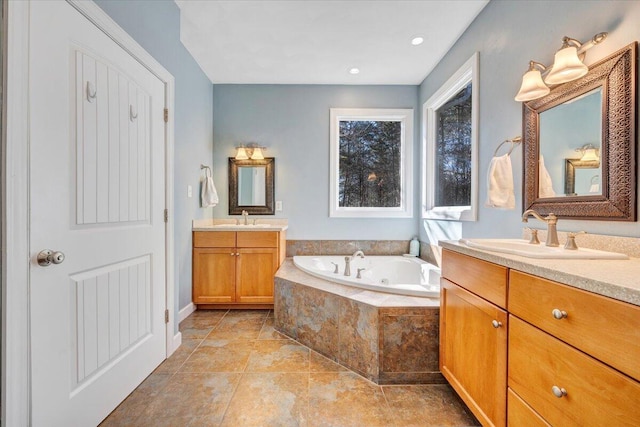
x,y
318,42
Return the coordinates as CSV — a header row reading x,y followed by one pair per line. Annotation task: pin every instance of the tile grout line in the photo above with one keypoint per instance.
x,y
199,344
243,372
171,375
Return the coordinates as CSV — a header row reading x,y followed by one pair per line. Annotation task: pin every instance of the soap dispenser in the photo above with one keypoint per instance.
x,y
414,247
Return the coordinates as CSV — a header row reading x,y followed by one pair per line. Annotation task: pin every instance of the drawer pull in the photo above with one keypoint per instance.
x,y
559,314
558,391
496,324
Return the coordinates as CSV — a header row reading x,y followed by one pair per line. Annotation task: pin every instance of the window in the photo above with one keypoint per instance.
x,y
371,170
450,175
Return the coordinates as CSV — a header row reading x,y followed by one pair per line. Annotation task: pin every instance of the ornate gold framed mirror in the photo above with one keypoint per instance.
x,y
612,84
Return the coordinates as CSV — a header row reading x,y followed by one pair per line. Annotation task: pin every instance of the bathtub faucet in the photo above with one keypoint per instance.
x,y
358,253
347,266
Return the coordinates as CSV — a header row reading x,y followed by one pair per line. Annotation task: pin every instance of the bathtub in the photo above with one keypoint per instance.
x,y
391,274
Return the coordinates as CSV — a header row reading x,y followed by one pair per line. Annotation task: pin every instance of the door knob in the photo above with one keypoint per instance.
x,y
47,257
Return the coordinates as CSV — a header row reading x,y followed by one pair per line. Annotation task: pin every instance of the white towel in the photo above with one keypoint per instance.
x,y
500,193
545,185
208,195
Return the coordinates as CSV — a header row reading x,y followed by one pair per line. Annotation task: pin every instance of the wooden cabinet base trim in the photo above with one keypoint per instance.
x,y
234,306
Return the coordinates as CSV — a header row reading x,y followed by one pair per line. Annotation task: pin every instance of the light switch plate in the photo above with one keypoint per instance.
x,y
279,205
189,191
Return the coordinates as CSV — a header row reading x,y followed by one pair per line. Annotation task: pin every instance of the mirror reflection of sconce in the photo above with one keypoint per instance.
x,y
589,153
250,151
567,66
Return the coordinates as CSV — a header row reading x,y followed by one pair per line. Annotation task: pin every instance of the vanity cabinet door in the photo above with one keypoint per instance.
x,y
473,352
255,271
214,275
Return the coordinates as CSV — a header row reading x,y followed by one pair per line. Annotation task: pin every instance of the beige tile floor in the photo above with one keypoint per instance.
x,y
234,369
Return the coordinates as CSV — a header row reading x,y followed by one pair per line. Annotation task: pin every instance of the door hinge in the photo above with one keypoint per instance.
x,y
166,115
166,215
166,316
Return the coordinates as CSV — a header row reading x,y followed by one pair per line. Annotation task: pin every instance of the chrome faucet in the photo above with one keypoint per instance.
x,y
551,220
358,253
347,266
245,215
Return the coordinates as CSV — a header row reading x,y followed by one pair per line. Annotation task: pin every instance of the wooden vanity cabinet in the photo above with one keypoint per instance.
x,y
473,334
235,269
573,356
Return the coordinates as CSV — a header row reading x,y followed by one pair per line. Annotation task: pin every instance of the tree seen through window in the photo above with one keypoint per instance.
x,y
370,163
453,151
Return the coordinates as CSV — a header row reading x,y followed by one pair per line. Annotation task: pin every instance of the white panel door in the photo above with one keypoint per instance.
x,y
97,148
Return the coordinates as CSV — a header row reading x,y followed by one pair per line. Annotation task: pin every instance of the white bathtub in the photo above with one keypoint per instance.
x,y
390,274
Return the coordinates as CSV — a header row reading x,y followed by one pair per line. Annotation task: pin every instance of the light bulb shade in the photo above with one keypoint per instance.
x,y
590,154
566,67
241,154
257,154
532,87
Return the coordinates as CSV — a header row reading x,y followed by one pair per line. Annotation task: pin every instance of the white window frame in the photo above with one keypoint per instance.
x,y
466,74
405,117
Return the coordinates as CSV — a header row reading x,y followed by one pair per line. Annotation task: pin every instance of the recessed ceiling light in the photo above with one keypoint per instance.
x,y
417,41
354,70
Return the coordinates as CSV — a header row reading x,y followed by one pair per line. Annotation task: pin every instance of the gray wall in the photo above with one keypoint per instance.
x,y
292,121
156,26
508,35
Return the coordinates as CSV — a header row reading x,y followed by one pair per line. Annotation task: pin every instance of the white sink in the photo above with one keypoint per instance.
x,y
242,225
523,248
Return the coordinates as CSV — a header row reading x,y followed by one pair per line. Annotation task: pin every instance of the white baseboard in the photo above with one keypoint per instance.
x,y
176,342
186,311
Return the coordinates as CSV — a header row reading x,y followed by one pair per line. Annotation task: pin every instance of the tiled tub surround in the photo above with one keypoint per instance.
x,y
389,339
346,247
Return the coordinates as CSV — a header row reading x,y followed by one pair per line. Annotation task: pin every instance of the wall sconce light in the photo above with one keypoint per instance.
x,y
533,86
250,151
589,153
567,66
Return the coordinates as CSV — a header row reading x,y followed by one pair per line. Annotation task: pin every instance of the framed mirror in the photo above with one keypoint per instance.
x,y
581,177
599,110
251,186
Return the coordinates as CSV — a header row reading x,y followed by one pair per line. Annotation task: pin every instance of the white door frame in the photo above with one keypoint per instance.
x,y
16,379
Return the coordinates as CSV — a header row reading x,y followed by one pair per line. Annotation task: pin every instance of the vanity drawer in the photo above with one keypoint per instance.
x,y
520,414
483,278
214,239
607,329
596,395
257,239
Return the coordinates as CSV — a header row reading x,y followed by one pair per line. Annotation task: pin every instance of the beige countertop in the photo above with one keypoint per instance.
x,y
262,224
618,279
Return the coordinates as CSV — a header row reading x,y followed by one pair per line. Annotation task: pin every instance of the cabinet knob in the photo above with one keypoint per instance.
x,y
496,324
558,391
232,254
559,314
237,253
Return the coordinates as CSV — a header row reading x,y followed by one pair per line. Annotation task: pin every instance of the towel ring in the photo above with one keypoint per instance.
x,y
514,141
205,167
